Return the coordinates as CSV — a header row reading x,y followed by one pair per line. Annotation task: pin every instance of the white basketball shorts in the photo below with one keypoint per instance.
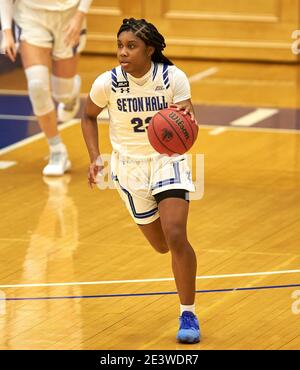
x,y
44,28
137,181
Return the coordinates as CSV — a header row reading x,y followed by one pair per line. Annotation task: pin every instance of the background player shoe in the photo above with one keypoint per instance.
x,y
189,331
66,112
58,164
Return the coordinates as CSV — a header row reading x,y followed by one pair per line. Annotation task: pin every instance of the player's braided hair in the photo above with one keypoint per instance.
x,y
149,34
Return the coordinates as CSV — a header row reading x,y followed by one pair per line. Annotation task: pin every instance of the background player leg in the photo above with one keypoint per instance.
x,y
36,61
66,86
34,55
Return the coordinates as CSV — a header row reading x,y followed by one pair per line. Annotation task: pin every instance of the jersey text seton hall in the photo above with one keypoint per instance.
x,y
142,104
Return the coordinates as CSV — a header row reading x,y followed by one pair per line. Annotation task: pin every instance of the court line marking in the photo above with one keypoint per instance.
x,y
250,119
13,92
36,137
103,116
266,130
221,290
16,117
212,128
25,93
208,250
106,282
7,164
218,131
61,127
203,74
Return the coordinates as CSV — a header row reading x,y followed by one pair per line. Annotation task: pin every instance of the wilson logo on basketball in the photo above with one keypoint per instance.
x,y
171,132
180,124
167,135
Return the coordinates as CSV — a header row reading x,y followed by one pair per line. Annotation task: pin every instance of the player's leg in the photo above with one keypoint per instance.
x,y
145,214
171,184
36,35
65,80
36,62
154,234
130,179
173,216
170,177
165,231
66,84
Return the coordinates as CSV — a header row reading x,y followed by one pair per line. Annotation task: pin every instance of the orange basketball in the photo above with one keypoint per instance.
x,y
171,132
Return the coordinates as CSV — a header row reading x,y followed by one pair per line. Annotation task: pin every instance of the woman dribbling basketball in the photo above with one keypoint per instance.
x,y
154,188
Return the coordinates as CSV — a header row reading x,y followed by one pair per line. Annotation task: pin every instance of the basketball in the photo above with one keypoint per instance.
x,y
171,132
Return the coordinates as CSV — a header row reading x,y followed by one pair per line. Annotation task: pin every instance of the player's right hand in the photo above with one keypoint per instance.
x,y
95,168
187,108
8,46
73,28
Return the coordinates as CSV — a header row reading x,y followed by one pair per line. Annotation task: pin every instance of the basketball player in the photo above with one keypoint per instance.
x,y
154,188
51,34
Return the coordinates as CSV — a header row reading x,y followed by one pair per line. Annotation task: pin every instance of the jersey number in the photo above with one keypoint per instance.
x,y
139,125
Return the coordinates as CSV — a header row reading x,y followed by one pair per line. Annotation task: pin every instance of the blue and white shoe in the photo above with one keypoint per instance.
x,y
59,163
189,331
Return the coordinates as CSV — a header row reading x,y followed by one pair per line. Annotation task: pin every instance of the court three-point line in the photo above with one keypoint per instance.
x,y
133,281
144,294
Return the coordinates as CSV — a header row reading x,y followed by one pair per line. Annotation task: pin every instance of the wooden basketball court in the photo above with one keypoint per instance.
x,y
76,273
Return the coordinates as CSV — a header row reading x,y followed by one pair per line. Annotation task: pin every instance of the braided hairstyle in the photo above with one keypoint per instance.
x,y
149,34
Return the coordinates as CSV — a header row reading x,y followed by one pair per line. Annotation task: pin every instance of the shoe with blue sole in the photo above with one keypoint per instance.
x,y
189,331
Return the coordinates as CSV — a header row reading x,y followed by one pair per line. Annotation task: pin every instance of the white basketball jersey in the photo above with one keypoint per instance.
x,y
131,105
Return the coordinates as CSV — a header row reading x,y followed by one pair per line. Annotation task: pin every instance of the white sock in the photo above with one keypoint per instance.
x,y
56,145
54,140
190,308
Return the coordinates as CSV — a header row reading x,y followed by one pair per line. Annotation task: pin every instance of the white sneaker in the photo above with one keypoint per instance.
x,y
58,164
66,112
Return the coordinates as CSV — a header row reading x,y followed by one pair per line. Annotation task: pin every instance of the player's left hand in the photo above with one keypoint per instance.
x,y
73,28
187,108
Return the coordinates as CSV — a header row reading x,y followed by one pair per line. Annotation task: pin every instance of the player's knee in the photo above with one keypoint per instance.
x,y
39,89
175,237
65,89
162,248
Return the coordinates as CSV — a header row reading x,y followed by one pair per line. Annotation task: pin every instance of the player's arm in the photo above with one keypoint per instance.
x,y
182,93
8,46
73,28
89,128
